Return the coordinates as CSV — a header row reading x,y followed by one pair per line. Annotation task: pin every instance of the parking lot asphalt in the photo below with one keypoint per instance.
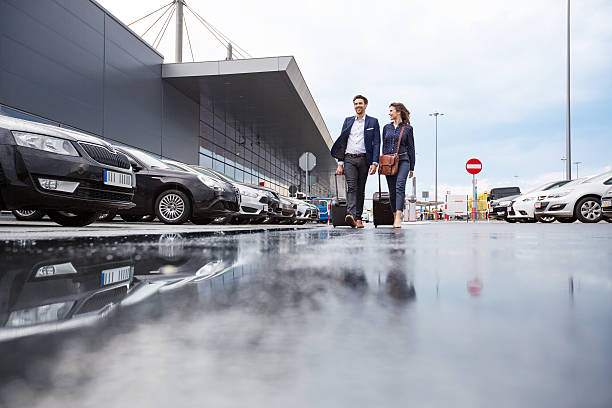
x,y
11,229
449,314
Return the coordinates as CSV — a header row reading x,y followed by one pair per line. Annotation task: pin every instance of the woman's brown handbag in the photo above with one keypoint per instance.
x,y
388,164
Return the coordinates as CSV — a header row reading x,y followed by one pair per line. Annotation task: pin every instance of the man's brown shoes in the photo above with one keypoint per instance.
x,y
359,224
350,220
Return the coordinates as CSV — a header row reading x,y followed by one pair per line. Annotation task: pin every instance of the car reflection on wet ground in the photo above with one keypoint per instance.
x,y
431,315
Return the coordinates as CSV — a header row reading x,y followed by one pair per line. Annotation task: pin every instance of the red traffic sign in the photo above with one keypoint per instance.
x,y
473,166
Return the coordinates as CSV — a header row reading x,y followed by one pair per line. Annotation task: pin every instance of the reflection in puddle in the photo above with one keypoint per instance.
x,y
52,286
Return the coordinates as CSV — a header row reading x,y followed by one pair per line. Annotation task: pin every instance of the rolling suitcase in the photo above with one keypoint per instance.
x,y
381,207
338,208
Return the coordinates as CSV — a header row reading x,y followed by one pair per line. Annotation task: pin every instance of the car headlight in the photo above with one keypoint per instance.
x,y
45,143
38,315
504,203
559,194
248,193
210,182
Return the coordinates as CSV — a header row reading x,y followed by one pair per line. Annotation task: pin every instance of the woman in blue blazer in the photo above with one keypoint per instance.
x,y
399,129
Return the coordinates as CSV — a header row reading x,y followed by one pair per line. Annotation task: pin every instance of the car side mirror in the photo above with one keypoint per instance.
x,y
135,166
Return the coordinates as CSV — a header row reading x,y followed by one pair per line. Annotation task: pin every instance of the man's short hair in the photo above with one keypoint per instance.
x,y
365,100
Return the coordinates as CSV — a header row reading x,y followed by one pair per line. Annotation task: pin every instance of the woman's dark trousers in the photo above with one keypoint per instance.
x,y
397,186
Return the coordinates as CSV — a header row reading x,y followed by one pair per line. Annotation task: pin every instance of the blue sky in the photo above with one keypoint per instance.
x,y
496,69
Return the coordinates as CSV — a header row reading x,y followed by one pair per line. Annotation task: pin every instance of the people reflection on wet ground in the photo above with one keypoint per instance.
x,y
397,284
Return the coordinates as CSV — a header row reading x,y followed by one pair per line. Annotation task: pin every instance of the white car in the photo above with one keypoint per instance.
x,y
577,201
252,206
303,211
521,208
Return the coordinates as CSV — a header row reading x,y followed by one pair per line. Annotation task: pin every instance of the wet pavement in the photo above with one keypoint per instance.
x,y
433,315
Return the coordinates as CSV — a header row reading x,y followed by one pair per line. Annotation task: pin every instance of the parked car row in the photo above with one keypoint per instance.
x,y
588,200
76,179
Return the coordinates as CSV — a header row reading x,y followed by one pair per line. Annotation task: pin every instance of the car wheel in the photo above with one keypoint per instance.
x,y
131,217
173,207
74,219
28,215
148,218
607,219
566,220
235,221
107,216
545,219
510,220
527,220
588,210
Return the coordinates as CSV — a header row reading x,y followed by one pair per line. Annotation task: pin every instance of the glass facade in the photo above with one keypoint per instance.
x,y
237,150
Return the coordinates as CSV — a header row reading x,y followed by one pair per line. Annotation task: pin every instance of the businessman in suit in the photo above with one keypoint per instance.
x,y
357,150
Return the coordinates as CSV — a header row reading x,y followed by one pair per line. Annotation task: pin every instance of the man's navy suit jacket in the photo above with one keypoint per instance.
x,y
371,139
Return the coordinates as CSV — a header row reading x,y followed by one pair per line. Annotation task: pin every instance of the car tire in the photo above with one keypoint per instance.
x,y
131,217
510,220
173,207
28,215
545,219
71,219
566,220
588,210
607,219
235,221
107,217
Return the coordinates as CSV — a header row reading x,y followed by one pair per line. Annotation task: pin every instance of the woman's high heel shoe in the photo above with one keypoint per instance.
x,y
397,223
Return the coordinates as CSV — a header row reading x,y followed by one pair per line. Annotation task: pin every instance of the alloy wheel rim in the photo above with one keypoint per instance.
x,y
25,213
172,207
591,210
547,219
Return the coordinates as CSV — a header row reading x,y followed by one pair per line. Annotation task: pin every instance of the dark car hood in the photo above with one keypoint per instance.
x,y
49,130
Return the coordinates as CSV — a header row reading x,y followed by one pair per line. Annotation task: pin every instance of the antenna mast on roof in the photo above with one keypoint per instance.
x,y
176,6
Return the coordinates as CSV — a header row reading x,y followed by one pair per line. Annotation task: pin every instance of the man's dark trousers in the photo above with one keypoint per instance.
x,y
356,173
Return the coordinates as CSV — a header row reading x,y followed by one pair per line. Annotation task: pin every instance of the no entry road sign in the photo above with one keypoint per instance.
x,y
473,166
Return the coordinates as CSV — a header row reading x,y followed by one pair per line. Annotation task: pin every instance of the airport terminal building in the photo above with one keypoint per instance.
x,y
73,64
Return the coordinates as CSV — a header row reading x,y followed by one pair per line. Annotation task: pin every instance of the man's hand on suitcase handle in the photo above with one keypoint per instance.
x,y
340,170
372,169
410,174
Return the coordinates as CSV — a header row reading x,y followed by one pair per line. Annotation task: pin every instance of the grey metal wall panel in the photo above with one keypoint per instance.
x,y
132,90
51,60
180,137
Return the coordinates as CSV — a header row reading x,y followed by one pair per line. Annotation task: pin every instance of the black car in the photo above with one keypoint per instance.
x,y
70,176
606,205
176,196
503,192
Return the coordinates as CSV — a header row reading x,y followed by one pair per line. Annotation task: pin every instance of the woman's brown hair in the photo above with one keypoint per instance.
x,y
405,113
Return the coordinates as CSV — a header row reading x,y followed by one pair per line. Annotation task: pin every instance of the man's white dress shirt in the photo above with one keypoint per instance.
x,y
356,143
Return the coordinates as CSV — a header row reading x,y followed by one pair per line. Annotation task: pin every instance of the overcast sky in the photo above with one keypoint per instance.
x,y
495,69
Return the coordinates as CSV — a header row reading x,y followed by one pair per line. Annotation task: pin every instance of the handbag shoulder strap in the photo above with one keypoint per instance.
x,y
399,139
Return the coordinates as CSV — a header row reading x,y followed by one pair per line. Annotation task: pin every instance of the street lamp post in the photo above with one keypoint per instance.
x,y
568,131
577,163
435,115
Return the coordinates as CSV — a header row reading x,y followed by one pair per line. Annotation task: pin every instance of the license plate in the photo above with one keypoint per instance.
x,y
114,178
509,209
538,205
110,276
265,208
606,203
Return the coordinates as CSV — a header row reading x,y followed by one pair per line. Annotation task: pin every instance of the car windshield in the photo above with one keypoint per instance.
x,y
175,167
148,160
599,178
208,172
